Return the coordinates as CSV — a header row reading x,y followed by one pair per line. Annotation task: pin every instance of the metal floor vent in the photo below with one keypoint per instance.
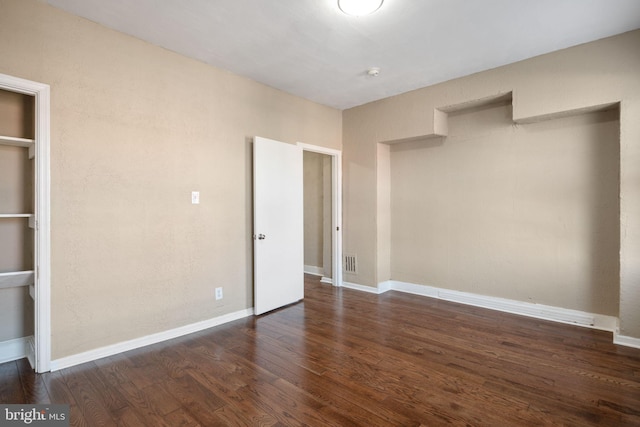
x,y
350,264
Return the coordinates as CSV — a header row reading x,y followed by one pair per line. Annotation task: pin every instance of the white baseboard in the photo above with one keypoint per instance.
x,y
31,351
14,349
385,286
316,271
539,311
327,280
110,350
362,288
626,341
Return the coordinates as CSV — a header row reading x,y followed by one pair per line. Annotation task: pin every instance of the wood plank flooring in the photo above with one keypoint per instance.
x,y
346,358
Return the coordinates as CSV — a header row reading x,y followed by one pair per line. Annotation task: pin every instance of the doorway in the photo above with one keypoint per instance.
x,y
317,215
34,271
323,213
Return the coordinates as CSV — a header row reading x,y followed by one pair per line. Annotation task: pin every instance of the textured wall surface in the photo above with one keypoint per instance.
x,y
527,212
313,209
568,82
134,129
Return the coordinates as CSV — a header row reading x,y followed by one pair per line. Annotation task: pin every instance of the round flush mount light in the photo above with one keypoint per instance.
x,y
359,7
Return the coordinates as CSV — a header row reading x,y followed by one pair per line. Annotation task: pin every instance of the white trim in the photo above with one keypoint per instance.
x,y
121,347
311,269
411,288
17,142
539,311
326,280
384,286
42,255
362,288
336,207
31,350
626,341
16,279
13,349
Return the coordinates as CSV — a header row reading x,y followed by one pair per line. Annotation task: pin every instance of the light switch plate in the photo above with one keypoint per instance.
x,y
195,197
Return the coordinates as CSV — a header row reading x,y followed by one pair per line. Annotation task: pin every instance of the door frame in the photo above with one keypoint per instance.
x,y
42,211
336,208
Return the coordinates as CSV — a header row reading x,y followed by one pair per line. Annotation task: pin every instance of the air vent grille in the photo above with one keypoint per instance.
x,y
351,264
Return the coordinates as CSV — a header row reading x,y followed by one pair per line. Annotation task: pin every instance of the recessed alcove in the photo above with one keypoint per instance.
x,y
524,209
17,130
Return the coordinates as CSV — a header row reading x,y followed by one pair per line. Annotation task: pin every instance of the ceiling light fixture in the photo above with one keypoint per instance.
x,y
359,7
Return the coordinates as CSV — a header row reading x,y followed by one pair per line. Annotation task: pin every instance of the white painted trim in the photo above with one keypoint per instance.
x,y
626,341
318,271
539,311
31,350
121,347
327,280
362,288
411,288
311,269
16,279
13,349
17,142
336,207
42,255
384,286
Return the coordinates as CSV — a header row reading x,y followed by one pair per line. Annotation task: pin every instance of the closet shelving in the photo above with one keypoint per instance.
x,y
18,278
24,222
16,213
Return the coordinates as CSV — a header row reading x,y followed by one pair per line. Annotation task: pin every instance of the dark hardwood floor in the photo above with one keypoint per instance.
x,y
343,358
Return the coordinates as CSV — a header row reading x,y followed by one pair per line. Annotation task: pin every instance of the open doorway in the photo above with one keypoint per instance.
x,y
322,214
317,215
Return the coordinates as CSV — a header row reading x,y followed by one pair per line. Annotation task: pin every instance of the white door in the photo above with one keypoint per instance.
x,y
278,224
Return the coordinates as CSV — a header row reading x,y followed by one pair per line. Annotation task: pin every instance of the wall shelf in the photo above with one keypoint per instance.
x,y
18,142
31,217
16,279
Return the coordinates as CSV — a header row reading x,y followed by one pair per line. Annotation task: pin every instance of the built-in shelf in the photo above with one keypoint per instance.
x,y
16,279
18,142
32,218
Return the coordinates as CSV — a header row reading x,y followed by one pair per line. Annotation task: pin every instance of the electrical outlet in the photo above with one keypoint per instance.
x,y
195,197
218,293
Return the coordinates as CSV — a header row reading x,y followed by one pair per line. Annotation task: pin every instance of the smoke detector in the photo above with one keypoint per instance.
x,y
373,72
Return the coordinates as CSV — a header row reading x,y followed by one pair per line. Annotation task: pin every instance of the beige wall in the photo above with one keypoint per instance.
x,y
134,129
16,114
527,212
313,209
327,212
567,82
16,313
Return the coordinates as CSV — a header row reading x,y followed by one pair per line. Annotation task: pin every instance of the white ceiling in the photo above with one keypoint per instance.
x,y
310,49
